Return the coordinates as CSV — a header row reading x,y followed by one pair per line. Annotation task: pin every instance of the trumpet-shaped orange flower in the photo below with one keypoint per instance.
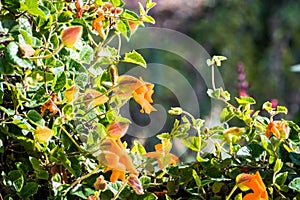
x,y
115,157
279,128
255,183
140,90
163,155
143,96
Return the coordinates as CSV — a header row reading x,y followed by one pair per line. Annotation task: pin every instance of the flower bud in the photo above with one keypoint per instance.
x,y
135,183
175,111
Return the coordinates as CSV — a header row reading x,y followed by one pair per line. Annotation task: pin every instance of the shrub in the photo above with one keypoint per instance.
x,y
61,128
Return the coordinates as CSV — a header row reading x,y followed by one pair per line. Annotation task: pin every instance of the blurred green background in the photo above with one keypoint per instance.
x,y
263,35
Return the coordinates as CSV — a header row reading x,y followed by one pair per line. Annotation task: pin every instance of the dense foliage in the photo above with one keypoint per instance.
x,y
61,129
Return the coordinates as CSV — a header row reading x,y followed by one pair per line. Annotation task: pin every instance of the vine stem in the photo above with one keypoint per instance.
x,y
231,193
48,55
71,138
120,190
82,178
213,77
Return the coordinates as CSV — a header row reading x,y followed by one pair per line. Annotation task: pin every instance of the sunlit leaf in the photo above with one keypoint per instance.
x,y
135,58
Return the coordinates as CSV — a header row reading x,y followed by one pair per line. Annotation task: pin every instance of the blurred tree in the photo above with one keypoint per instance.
x,y
264,35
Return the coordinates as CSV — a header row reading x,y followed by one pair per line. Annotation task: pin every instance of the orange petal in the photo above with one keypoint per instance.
x,y
117,129
70,35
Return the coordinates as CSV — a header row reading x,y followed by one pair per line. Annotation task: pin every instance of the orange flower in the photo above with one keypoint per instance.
x,y
116,174
253,182
140,90
70,35
79,8
279,128
142,96
98,25
163,155
117,129
115,157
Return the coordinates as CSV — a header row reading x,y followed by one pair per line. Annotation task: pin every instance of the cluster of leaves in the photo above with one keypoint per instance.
x,y
261,144
60,93
61,130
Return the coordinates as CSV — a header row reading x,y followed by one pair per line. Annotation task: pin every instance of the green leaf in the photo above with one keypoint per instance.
x,y
32,7
5,67
60,82
267,106
149,196
266,144
145,180
54,41
40,173
130,15
117,3
12,57
29,189
196,178
135,58
26,36
191,142
245,101
281,109
150,4
295,157
226,114
138,148
36,117
281,178
148,19
295,184
123,28
214,93
86,54
278,165
17,179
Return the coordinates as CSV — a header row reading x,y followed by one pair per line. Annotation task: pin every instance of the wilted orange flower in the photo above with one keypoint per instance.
x,y
279,128
100,183
98,25
115,157
51,105
253,182
135,183
163,155
143,96
70,35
